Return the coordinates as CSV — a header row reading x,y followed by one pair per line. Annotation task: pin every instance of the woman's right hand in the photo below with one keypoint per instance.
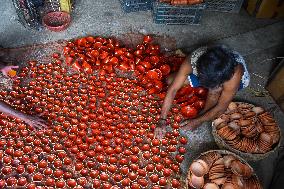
x,y
179,80
7,69
160,130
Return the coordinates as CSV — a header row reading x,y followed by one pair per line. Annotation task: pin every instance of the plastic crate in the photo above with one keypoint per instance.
x,y
136,5
28,12
177,15
232,6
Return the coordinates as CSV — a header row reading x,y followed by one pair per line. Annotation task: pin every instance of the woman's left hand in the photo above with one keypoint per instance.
x,y
7,69
190,124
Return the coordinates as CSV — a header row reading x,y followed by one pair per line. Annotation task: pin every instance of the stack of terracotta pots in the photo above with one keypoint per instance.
x,y
247,128
221,169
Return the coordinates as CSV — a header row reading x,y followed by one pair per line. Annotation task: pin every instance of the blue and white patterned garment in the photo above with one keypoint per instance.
x,y
193,79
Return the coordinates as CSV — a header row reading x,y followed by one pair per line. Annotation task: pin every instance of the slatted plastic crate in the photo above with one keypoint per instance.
x,y
230,6
136,5
28,12
177,15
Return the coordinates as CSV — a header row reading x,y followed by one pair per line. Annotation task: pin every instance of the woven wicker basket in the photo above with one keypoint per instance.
x,y
247,156
223,152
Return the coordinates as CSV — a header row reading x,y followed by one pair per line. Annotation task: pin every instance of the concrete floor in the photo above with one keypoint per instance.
x,y
258,40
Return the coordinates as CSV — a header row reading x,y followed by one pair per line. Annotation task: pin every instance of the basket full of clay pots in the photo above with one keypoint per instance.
x,y
221,169
247,130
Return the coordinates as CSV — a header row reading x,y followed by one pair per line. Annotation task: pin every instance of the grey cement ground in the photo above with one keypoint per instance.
x,y
105,17
258,40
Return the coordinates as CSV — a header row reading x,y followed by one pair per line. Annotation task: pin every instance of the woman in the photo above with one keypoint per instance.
x,y
222,71
6,109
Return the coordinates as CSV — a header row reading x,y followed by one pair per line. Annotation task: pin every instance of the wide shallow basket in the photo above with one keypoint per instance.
x,y
223,153
247,156
136,5
230,6
164,13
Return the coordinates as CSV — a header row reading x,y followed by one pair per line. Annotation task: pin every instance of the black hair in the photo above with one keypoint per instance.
x,y
215,66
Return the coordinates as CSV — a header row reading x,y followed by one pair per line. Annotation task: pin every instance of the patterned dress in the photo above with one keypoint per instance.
x,y
193,79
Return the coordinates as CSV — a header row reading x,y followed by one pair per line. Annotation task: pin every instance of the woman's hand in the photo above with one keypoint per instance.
x,y
7,69
160,130
35,122
190,124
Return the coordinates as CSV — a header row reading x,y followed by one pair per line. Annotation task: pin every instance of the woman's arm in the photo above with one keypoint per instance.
x,y
178,82
230,88
4,68
211,100
30,120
